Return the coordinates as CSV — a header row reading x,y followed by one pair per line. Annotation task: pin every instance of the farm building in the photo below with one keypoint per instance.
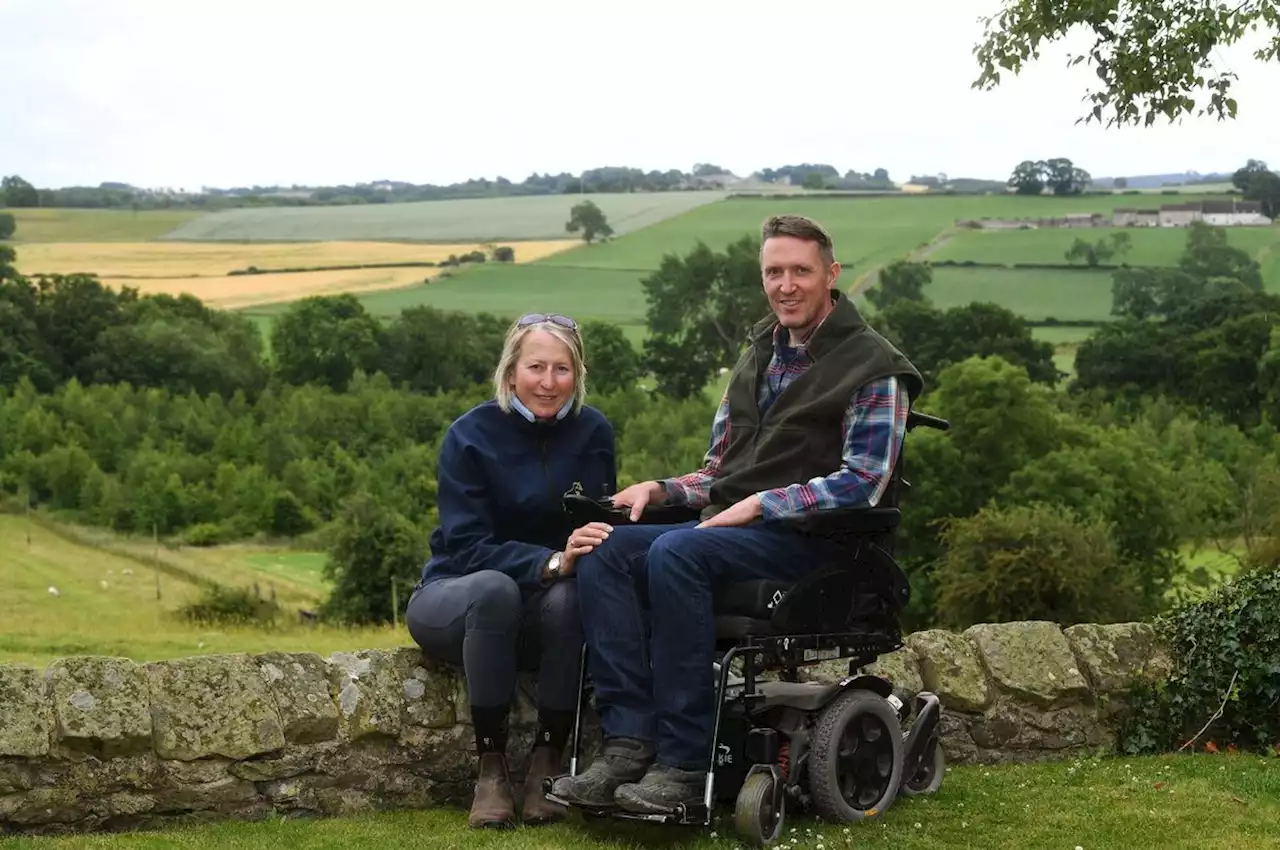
x,y
1130,217
1225,213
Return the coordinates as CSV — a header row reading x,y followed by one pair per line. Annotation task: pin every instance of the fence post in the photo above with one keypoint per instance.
x,y
155,563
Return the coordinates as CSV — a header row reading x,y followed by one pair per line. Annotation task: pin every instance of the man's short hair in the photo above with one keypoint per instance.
x,y
801,228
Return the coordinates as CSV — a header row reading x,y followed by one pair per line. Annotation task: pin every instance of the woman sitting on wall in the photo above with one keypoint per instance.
x,y
498,592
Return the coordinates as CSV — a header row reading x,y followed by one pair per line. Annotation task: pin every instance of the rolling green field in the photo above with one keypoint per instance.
x,y
603,281
1033,293
1156,246
66,225
106,602
470,220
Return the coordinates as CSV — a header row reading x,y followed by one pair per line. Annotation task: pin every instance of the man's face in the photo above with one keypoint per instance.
x,y
797,283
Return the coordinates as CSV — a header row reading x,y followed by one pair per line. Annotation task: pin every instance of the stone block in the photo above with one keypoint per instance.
x,y
1031,660
301,686
25,716
212,705
371,693
100,705
427,687
1118,655
950,667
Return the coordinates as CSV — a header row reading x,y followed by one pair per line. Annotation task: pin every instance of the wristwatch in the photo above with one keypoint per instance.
x,y
553,565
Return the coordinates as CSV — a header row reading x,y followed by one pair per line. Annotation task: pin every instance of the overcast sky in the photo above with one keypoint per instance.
x,y
184,93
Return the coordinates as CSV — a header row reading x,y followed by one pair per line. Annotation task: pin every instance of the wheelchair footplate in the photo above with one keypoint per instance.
x,y
684,814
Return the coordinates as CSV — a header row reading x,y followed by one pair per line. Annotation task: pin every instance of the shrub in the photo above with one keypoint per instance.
x,y
1031,562
204,534
1226,654
222,605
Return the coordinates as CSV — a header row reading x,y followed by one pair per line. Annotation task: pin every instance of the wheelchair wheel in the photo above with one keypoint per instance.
x,y
755,817
928,777
855,760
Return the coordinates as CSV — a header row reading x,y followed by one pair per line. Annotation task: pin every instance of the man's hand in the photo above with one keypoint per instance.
x,y
743,513
580,542
638,496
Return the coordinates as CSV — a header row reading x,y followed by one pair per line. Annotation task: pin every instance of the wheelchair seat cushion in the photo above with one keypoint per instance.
x,y
755,599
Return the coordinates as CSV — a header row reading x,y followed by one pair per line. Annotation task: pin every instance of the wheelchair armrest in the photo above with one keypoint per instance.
x,y
841,522
924,420
583,510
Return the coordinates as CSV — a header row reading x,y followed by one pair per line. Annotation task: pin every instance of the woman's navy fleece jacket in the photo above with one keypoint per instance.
x,y
501,479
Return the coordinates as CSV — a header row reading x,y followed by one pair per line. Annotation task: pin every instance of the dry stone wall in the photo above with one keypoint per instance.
x,y
96,743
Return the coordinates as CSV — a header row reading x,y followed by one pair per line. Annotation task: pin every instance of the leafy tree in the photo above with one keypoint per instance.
x,y
902,280
1259,183
1120,183
8,225
1028,178
590,219
504,254
1207,255
374,546
934,339
1150,56
432,350
1064,178
18,192
1101,251
1210,351
1105,480
700,310
613,364
325,340
1000,422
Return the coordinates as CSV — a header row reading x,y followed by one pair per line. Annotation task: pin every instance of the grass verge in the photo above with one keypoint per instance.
x,y
1201,801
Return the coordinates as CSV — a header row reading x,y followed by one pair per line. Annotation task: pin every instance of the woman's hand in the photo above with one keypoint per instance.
x,y
582,541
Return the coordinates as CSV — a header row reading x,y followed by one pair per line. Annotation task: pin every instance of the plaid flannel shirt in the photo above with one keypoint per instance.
x,y
874,426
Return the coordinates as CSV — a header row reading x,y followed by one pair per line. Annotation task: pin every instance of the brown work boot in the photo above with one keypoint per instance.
x,y
494,806
544,762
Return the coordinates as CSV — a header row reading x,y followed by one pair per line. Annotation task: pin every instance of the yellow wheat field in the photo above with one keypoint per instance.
x,y
200,269
186,259
233,293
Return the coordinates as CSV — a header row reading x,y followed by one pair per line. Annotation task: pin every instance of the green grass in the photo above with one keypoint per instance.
x,y
1061,335
472,220
1033,293
67,225
1206,802
124,618
1157,246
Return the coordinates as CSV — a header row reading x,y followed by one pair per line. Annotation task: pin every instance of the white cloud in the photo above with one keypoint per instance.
x,y
237,92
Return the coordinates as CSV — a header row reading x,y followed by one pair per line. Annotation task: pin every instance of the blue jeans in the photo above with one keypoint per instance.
x,y
660,689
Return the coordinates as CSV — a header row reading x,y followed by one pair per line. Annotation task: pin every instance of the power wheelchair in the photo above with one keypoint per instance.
x,y
838,749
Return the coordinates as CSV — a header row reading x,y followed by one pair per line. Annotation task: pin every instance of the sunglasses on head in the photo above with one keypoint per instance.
x,y
554,318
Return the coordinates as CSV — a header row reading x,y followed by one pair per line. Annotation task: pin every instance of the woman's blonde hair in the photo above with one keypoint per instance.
x,y
511,353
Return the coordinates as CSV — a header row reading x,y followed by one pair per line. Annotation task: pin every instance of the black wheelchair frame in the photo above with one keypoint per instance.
x,y
840,610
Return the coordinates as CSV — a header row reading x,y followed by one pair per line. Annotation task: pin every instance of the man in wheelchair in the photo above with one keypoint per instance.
x,y
810,427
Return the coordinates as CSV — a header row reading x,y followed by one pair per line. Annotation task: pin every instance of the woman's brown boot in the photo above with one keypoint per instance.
x,y
494,806
544,762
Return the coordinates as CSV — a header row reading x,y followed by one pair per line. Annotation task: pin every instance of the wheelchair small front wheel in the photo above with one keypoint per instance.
x,y
755,817
855,759
928,776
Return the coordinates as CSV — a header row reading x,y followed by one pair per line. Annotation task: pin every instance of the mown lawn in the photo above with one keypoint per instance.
x,y
1206,802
